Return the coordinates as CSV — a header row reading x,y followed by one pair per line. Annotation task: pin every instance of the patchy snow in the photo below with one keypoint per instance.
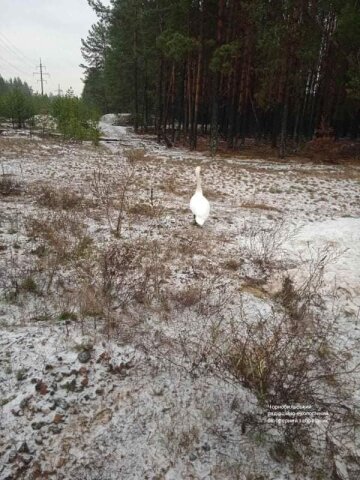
x,y
339,237
111,130
138,407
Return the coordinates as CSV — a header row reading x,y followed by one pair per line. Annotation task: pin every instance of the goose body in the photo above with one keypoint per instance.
x,y
199,205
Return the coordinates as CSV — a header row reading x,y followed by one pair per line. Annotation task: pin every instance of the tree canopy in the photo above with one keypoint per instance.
x,y
262,68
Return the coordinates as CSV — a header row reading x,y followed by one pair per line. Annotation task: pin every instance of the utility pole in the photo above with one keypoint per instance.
x,y
41,73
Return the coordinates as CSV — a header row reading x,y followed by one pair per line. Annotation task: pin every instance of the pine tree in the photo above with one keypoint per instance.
x,y
269,69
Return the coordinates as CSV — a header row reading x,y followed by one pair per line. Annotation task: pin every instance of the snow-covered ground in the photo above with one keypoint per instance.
x,y
97,385
342,237
111,130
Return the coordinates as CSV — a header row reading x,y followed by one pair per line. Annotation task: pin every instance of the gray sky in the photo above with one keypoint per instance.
x,y
50,29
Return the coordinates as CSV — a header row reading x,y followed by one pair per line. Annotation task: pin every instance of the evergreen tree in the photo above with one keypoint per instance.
x,y
274,70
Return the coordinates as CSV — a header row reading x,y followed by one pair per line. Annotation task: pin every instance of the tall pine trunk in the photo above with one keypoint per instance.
x,y
216,81
198,81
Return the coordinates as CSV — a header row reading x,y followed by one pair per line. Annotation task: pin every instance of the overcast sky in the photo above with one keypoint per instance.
x,y
50,29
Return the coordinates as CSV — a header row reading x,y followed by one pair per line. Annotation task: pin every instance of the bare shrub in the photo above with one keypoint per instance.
x,y
274,361
232,264
135,155
123,276
206,297
9,186
58,198
62,233
119,264
191,244
265,245
290,355
17,278
285,355
154,272
111,193
150,209
186,298
143,209
63,241
91,300
314,264
133,272
171,184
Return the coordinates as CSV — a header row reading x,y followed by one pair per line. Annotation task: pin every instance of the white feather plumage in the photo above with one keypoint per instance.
x,y
199,205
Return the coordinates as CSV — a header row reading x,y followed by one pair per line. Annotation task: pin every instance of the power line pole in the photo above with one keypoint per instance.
x,y
41,73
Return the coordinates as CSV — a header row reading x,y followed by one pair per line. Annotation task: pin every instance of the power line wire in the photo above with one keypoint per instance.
x,y
22,72
12,53
14,49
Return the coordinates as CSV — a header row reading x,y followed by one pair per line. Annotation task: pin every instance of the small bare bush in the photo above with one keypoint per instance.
x,y
290,355
207,297
63,241
17,278
146,209
273,361
153,272
111,193
91,301
179,436
191,244
63,234
119,264
135,155
285,355
129,273
265,245
9,186
59,198
186,298
232,264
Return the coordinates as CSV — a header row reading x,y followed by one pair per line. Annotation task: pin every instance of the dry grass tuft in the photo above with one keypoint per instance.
x,y
232,264
58,198
172,184
136,155
187,297
91,301
61,233
142,209
194,243
259,206
326,149
256,291
9,186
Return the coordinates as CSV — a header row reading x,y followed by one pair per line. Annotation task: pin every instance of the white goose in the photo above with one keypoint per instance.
x,y
199,205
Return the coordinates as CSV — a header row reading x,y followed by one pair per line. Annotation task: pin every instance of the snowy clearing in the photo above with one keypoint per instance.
x,y
116,311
